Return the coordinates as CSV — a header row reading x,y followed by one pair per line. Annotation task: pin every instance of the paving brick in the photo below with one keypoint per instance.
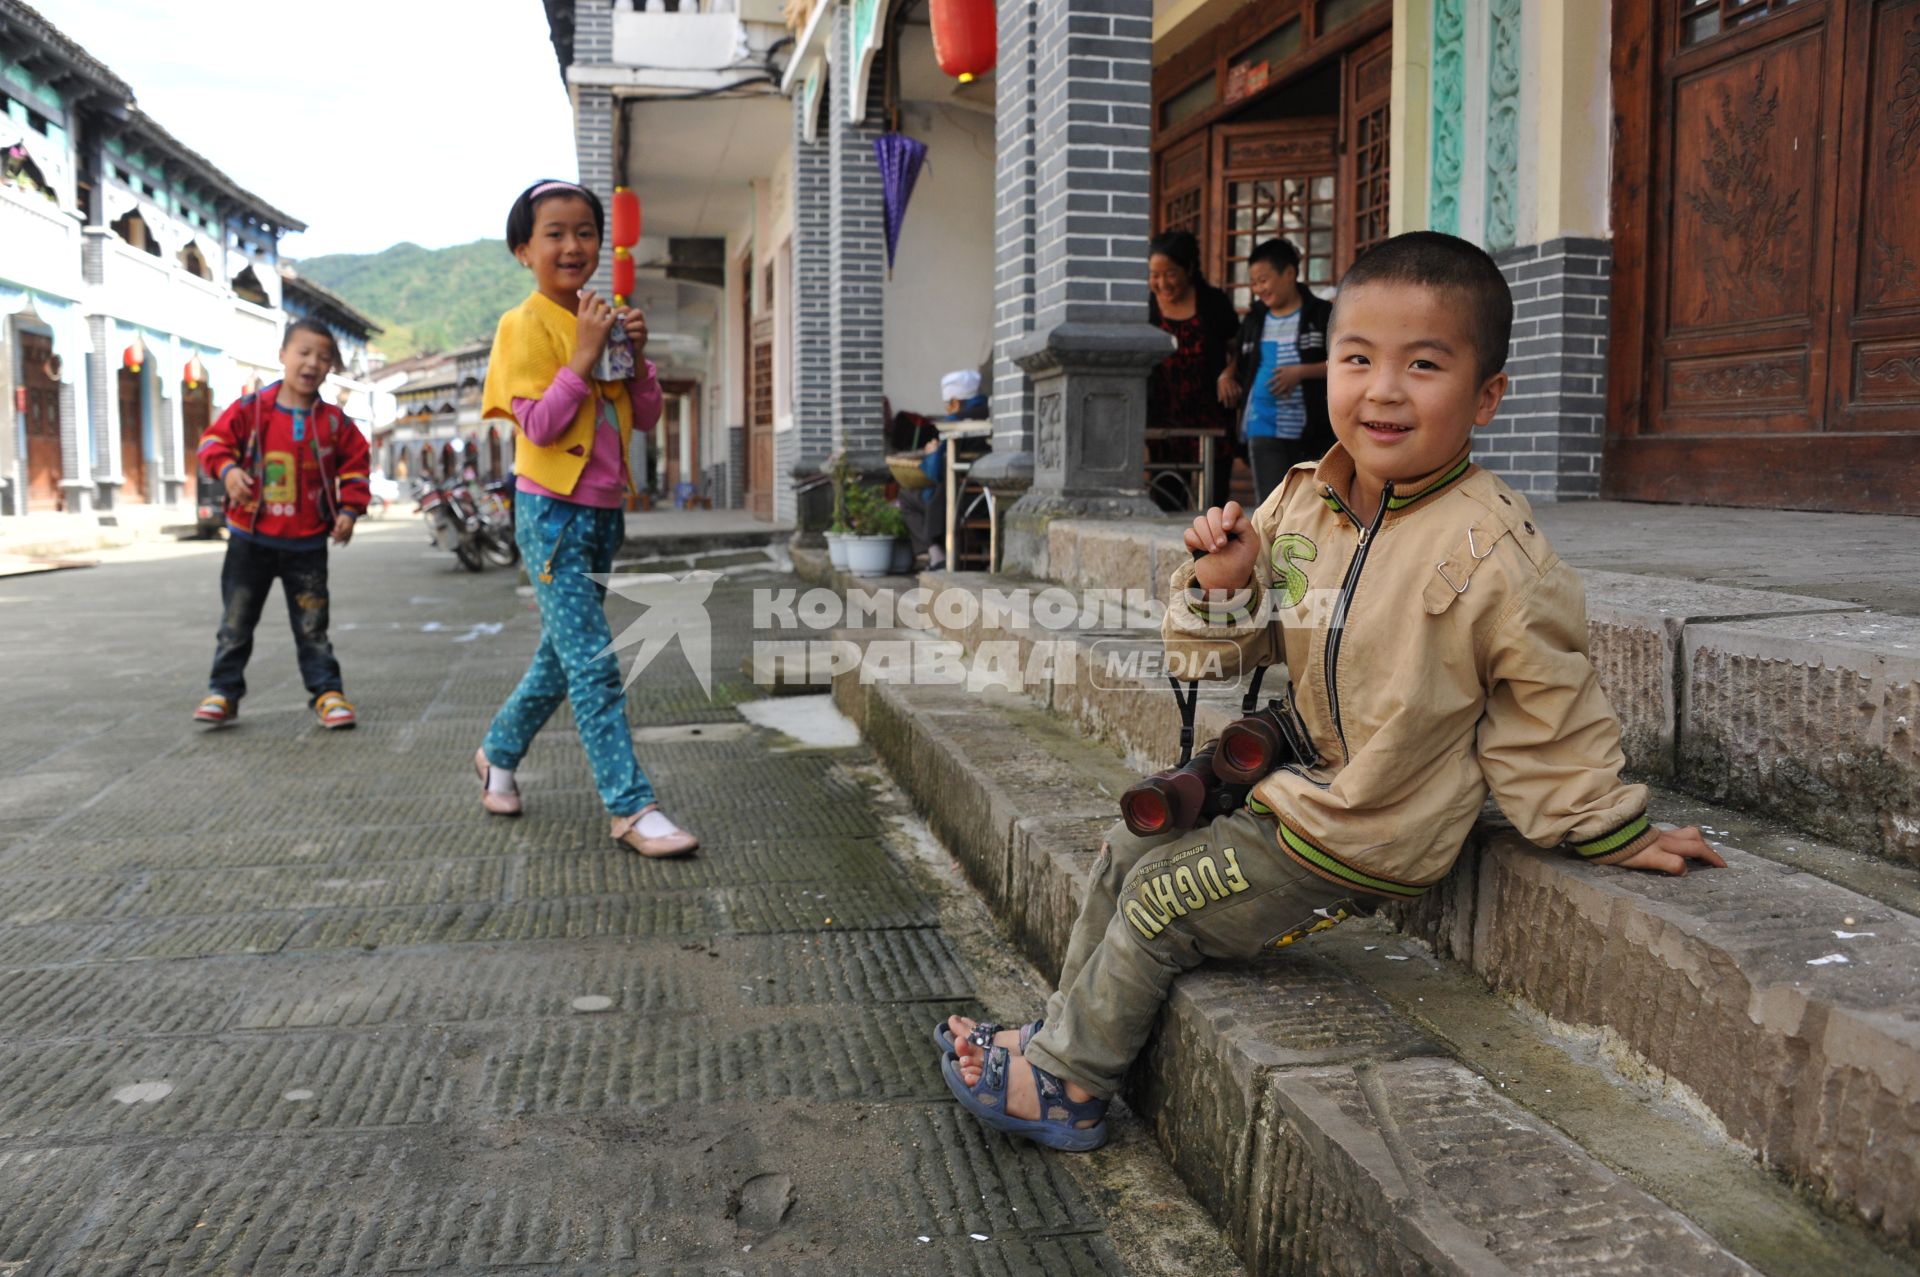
x,y
179,1087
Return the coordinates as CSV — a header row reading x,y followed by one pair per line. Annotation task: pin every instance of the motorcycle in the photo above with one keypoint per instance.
x,y
492,508
449,524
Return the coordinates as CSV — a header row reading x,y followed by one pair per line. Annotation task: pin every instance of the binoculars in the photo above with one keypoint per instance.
x,y
1179,797
1215,781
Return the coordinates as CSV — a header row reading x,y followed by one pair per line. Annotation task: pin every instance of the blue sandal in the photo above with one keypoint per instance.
x,y
983,1035
1058,1125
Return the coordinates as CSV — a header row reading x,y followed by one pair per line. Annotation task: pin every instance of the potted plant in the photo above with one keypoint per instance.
x,y
877,524
839,530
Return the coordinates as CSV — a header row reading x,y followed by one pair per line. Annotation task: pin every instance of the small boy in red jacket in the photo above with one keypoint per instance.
x,y
295,471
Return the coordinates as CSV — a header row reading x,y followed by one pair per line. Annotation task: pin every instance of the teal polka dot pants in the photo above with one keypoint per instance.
x,y
567,541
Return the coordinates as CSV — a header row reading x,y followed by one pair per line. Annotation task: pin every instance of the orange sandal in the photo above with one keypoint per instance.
x,y
216,710
334,711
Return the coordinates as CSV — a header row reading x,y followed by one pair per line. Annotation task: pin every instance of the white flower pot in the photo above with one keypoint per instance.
x,y
837,549
869,556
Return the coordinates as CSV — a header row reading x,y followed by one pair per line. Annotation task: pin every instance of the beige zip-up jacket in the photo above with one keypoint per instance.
x,y
1434,655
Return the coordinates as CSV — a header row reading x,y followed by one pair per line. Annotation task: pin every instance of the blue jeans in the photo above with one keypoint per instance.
x,y
246,578
567,541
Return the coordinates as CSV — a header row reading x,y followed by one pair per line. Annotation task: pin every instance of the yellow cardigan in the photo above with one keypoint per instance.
x,y
534,342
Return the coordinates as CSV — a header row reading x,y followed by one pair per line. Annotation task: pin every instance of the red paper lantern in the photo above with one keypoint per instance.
x,y
195,373
134,356
966,38
626,218
622,276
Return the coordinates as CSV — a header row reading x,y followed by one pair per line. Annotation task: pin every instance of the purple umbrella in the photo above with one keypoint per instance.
x,y
900,158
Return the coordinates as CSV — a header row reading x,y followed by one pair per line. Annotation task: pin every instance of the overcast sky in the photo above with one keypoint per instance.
x,y
373,121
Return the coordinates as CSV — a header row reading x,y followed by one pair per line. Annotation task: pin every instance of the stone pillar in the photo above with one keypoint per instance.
x,y
82,435
1090,348
1008,469
805,448
857,257
12,468
78,494
171,419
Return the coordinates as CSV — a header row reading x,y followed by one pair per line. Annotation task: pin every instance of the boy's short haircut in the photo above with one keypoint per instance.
x,y
1277,253
1435,260
307,324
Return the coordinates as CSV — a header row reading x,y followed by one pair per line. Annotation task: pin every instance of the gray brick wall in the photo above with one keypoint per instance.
x,y
812,436
858,254
593,32
1547,438
1093,134
1013,224
593,143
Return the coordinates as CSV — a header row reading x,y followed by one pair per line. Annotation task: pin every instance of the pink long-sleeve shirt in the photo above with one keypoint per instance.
x,y
603,484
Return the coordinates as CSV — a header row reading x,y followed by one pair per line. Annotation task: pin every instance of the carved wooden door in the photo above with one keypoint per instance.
x,y
1761,316
1874,352
760,420
196,414
44,467
133,455
1273,179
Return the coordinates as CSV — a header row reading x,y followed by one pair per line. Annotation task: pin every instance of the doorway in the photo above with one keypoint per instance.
x,y
44,465
133,435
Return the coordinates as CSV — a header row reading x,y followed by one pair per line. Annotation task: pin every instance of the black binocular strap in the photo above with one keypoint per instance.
x,y
1252,699
1192,698
1186,704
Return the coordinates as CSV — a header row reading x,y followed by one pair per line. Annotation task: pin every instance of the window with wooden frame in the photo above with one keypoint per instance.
x,y
1274,180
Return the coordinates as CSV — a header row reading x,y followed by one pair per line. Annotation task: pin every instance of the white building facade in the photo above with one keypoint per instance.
x,y
139,287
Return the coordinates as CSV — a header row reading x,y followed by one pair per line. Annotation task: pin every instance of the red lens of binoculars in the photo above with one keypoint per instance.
x,y
1145,809
1250,747
1172,799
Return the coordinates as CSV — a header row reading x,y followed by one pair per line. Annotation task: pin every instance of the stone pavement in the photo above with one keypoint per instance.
x,y
277,1000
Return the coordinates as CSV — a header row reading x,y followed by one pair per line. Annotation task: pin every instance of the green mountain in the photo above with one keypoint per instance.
x,y
427,299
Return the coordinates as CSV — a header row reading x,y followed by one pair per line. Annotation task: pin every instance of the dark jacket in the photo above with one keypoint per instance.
x,y
1315,315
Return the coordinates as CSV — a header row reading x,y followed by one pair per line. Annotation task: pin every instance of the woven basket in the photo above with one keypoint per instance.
x,y
906,470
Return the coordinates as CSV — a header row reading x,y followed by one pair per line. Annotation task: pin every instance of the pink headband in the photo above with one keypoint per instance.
x,y
545,187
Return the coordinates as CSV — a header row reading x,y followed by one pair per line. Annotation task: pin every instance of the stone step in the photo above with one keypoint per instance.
x,y
1722,983
1309,1100
1803,708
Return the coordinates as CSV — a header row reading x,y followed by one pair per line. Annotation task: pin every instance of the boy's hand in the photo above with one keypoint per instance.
x,y
1284,379
239,485
590,327
342,528
1670,852
1224,536
634,320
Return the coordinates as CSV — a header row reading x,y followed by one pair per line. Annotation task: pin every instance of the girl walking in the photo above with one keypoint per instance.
x,y
570,459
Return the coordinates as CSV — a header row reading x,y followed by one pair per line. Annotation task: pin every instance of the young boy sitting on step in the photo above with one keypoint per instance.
x,y
1437,649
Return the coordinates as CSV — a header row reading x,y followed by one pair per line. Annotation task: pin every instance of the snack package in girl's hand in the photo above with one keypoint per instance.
x,y
616,357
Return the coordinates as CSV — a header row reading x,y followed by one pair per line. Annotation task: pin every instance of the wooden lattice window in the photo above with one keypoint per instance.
x,y
1366,167
1182,212
1704,20
1299,209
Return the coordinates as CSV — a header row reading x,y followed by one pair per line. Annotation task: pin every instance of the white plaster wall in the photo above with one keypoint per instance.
x,y
939,301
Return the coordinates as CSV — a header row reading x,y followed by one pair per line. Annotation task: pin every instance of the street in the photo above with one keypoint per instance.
x,y
280,1000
